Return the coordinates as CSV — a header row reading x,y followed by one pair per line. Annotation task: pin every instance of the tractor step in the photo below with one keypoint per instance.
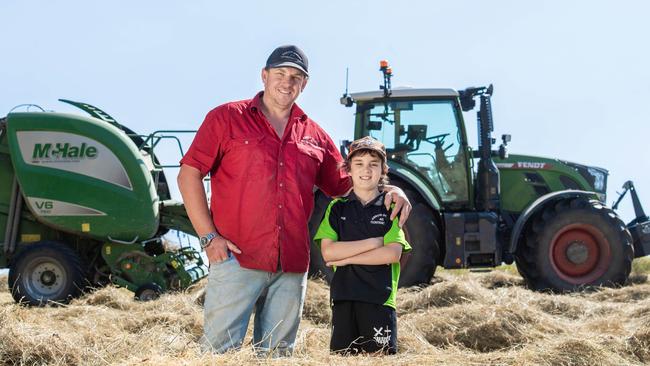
x,y
641,237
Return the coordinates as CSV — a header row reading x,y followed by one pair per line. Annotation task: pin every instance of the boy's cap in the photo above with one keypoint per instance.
x,y
288,56
367,143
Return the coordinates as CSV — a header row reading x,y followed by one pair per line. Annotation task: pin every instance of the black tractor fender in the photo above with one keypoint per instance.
x,y
536,207
416,183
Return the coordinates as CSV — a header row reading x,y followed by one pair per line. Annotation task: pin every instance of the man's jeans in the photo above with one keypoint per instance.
x,y
234,292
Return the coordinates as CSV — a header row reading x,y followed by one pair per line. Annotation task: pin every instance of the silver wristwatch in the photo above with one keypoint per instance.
x,y
207,239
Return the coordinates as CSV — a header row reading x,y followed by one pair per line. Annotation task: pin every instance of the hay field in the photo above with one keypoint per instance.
x,y
466,318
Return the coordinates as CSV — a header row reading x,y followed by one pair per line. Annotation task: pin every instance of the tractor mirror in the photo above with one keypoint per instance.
x,y
467,102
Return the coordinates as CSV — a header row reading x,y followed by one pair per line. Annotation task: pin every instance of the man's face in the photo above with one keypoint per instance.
x,y
365,171
283,85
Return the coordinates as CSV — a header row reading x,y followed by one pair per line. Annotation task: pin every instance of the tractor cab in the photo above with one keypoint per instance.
x,y
423,132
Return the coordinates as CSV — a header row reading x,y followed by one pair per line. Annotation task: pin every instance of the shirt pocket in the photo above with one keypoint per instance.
x,y
245,158
310,157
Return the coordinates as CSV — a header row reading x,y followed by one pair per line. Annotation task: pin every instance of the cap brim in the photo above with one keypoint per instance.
x,y
289,64
378,151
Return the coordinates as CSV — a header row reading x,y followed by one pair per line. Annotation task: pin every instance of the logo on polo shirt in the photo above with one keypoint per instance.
x,y
379,219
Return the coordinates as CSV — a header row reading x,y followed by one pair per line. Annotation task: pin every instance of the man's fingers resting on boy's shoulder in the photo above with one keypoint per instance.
x,y
402,205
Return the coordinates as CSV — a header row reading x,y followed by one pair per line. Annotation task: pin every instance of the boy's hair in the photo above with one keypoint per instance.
x,y
368,145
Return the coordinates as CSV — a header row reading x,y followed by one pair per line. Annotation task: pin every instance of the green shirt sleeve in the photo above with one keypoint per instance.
x,y
325,230
396,235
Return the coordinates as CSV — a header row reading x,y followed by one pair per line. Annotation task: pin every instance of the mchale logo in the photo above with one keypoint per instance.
x,y
64,151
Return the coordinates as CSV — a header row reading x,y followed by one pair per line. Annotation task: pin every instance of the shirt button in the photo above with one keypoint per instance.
x,y
281,185
281,164
279,206
246,142
279,227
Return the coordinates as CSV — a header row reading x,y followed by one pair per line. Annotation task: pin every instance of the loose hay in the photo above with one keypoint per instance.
x,y
471,319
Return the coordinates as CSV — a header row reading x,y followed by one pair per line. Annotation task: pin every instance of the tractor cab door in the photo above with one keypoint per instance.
x,y
425,135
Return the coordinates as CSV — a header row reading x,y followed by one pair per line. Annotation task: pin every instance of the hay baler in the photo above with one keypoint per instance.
x,y
84,202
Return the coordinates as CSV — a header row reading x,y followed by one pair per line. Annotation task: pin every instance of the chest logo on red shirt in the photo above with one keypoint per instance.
x,y
379,219
309,141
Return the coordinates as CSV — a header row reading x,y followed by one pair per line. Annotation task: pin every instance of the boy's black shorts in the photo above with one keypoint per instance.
x,y
362,327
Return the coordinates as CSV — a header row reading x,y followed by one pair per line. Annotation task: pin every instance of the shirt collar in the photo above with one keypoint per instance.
x,y
296,112
377,201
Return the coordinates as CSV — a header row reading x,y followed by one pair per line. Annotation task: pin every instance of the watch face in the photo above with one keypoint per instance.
x,y
205,240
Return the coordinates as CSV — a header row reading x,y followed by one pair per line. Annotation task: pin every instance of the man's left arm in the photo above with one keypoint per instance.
x,y
331,179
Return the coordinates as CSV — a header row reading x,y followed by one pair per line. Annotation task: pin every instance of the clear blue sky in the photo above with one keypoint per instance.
x,y
571,77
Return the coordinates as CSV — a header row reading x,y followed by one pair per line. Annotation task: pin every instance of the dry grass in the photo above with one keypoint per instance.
x,y
466,318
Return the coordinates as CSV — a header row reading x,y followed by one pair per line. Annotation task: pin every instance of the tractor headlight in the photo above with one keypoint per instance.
x,y
599,178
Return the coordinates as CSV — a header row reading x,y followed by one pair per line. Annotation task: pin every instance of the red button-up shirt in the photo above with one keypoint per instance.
x,y
261,184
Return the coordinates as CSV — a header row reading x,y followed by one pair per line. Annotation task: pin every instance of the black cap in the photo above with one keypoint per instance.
x,y
289,56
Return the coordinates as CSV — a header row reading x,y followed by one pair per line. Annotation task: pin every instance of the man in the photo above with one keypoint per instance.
x,y
264,156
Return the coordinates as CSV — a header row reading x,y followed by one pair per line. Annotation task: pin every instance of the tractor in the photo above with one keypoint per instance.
x,y
480,208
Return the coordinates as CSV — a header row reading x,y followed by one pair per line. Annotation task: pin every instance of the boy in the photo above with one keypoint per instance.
x,y
364,246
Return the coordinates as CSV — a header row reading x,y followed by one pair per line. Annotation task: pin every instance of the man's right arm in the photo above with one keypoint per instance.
x,y
203,154
190,183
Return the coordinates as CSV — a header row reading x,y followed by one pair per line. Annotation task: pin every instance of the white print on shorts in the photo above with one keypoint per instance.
x,y
382,337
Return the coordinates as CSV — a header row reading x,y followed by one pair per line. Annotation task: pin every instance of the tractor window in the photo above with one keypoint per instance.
x,y
426,136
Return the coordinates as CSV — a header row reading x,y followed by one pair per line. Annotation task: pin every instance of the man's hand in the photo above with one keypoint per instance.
x,y
218,249
402,204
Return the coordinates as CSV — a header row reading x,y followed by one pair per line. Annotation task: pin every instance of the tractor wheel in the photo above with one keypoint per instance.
x,y
46,272
148,292
574,244
423,235
317,267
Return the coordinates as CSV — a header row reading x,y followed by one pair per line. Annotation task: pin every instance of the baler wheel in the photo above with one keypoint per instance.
x,y
574,244
46,272
148,292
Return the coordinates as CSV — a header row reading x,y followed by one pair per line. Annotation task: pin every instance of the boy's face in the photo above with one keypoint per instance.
x,y
365,171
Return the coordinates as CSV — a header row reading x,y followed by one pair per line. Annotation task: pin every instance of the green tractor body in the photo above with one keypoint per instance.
x,y
479,207
84,202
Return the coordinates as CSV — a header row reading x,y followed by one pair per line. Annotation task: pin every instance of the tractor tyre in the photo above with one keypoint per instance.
x,y
575,244
422,233
317,267
46,272
148,292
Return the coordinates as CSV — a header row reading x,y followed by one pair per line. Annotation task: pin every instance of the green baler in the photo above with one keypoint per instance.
x,y
85,202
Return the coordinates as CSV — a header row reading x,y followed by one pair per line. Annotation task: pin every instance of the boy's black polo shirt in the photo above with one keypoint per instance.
x,y
347,219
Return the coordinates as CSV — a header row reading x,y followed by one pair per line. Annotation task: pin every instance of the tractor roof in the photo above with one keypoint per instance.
x,y
404,92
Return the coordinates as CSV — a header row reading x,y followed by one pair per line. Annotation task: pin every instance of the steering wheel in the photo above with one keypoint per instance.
x,y
439,141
